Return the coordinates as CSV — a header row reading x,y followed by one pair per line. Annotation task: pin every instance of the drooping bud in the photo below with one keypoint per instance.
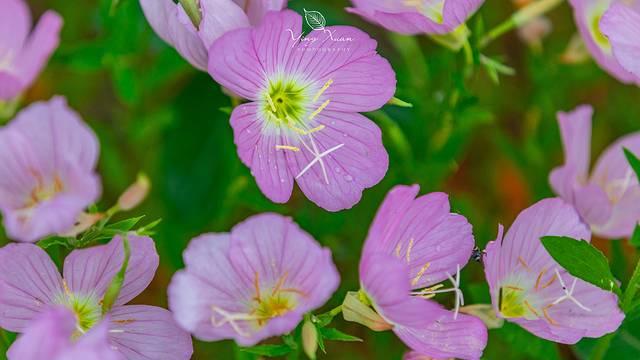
x,y
356,308
309,339
84,222
135,194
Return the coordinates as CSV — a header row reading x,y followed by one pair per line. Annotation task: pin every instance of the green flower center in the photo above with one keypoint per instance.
x,y
273,306
87,309
594,28
284,103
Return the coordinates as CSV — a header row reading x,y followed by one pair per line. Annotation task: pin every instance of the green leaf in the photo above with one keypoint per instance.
x,y
113,290
581,260
336,335
635,238
125,225
633,161
268,350
54,240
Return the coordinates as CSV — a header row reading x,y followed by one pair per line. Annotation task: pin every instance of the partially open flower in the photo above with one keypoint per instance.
x,y
531,289
608,199
24,54
48,175
609,29
138,332
253,283
413,245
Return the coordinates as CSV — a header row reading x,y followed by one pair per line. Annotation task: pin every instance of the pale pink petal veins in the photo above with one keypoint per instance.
x,y
29,282
91,270
142,332
218,17
621,24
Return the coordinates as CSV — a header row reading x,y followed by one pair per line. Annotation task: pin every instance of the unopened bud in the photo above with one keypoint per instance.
x,y
355,310
135,194
309,339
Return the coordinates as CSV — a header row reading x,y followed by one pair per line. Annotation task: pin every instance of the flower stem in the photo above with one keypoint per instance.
x,y
519,18
630,291
192,8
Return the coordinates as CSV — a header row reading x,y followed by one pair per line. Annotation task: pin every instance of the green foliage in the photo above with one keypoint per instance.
x,y
633,161
113,290
582,260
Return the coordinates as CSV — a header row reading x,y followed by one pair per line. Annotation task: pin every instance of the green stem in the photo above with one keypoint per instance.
x,y
335,311
519,18
192,8
601,348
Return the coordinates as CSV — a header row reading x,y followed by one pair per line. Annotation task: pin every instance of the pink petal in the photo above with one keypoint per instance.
x,y
15,24
593,204
218,17
258,151
29,282
421,231
168,21
461,338
359,160
256,10
274,246
91,270
141,332
575,129
46,337
39,47
10,85
621,24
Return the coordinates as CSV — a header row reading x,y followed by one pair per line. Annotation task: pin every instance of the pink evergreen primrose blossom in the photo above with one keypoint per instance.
x,y
302,122
621,25
413,245
608,199
172,24
135,331
413,17
529,288
610,37
47,173
253,283
50,337
23,53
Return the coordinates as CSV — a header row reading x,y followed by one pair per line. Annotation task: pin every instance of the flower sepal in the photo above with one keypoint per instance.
x,y
356,307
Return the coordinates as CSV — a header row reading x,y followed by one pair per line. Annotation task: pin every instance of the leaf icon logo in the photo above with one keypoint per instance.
x,y
314,19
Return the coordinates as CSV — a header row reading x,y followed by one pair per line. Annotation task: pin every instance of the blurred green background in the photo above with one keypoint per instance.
x,y
490,146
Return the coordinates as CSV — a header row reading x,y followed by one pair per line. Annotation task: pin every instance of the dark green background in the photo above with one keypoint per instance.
x,y
489,146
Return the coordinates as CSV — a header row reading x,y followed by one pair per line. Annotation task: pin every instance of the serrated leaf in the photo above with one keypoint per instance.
x,y
268,350
314,19
633,161
582,260
336,335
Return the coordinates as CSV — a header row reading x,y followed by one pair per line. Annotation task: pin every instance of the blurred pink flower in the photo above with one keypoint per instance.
x,y
530,289
416,16
608,200
30,284
610,30
23,55
172,24
253,283
414,244
50,336
47,177
302,122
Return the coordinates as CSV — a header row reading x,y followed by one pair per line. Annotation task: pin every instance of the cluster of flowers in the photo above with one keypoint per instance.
x,y
302,122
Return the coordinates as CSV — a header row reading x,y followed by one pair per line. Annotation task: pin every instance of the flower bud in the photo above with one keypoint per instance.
x,y
309,339
355,308
135,194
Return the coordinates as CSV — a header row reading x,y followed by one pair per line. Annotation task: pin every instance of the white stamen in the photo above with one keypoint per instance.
x,y
456,288
318,158
116,331
231,319
568,293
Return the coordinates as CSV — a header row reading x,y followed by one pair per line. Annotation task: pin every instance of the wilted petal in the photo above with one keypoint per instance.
x,y
29,282
141,332
91,270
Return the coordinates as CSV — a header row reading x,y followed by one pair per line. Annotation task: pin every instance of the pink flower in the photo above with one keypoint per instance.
x,y
302,122
413,245
172,24
530,289
23,55
50,337
30,284
47,177
609,29
608,200
417,16
253,283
